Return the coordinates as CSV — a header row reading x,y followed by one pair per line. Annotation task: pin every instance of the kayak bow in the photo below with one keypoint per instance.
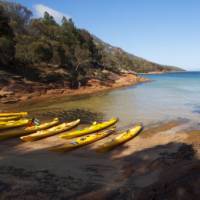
x,y
120,139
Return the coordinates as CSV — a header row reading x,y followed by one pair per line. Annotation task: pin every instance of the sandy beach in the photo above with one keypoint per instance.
x,y
163,161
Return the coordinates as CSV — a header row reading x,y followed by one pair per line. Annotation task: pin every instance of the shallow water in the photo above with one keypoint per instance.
x,y
167,97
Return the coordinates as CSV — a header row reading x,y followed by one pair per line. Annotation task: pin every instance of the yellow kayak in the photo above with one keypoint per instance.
x,y
28,130
120,139
91,129
14,124
2,119
82,141
22,114
9,122
49,132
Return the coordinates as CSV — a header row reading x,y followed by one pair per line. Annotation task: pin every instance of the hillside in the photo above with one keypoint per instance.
x,y
38,54
122,60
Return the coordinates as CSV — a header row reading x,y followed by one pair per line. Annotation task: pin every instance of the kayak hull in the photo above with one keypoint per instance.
x,y
82,141
120,139
50,132
91,129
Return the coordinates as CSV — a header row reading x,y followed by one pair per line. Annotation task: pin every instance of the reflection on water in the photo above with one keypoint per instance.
x,y
169,96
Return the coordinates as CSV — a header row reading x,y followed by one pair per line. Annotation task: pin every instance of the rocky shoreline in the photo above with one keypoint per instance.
x,y
19,89
162,72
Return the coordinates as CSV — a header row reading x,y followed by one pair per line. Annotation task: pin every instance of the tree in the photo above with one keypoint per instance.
x,y
81,57
68,36
48,19
7,49
79,70
41,52
18,15
71,23
5,29
58,57
87,42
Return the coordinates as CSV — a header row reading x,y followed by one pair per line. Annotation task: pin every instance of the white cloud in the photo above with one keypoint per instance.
x,y
40,9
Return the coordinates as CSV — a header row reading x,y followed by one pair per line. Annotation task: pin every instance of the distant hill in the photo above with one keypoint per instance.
x,y
117,57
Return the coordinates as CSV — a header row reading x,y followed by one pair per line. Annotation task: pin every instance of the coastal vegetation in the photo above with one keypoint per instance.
x,y
44,51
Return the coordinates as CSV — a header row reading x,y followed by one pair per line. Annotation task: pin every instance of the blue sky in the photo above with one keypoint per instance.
x,y
163,31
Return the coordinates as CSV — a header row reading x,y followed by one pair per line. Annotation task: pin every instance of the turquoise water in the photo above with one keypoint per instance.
x,y
168,96
171,96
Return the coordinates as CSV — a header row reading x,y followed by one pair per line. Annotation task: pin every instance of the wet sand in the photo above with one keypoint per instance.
x,y
160,163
